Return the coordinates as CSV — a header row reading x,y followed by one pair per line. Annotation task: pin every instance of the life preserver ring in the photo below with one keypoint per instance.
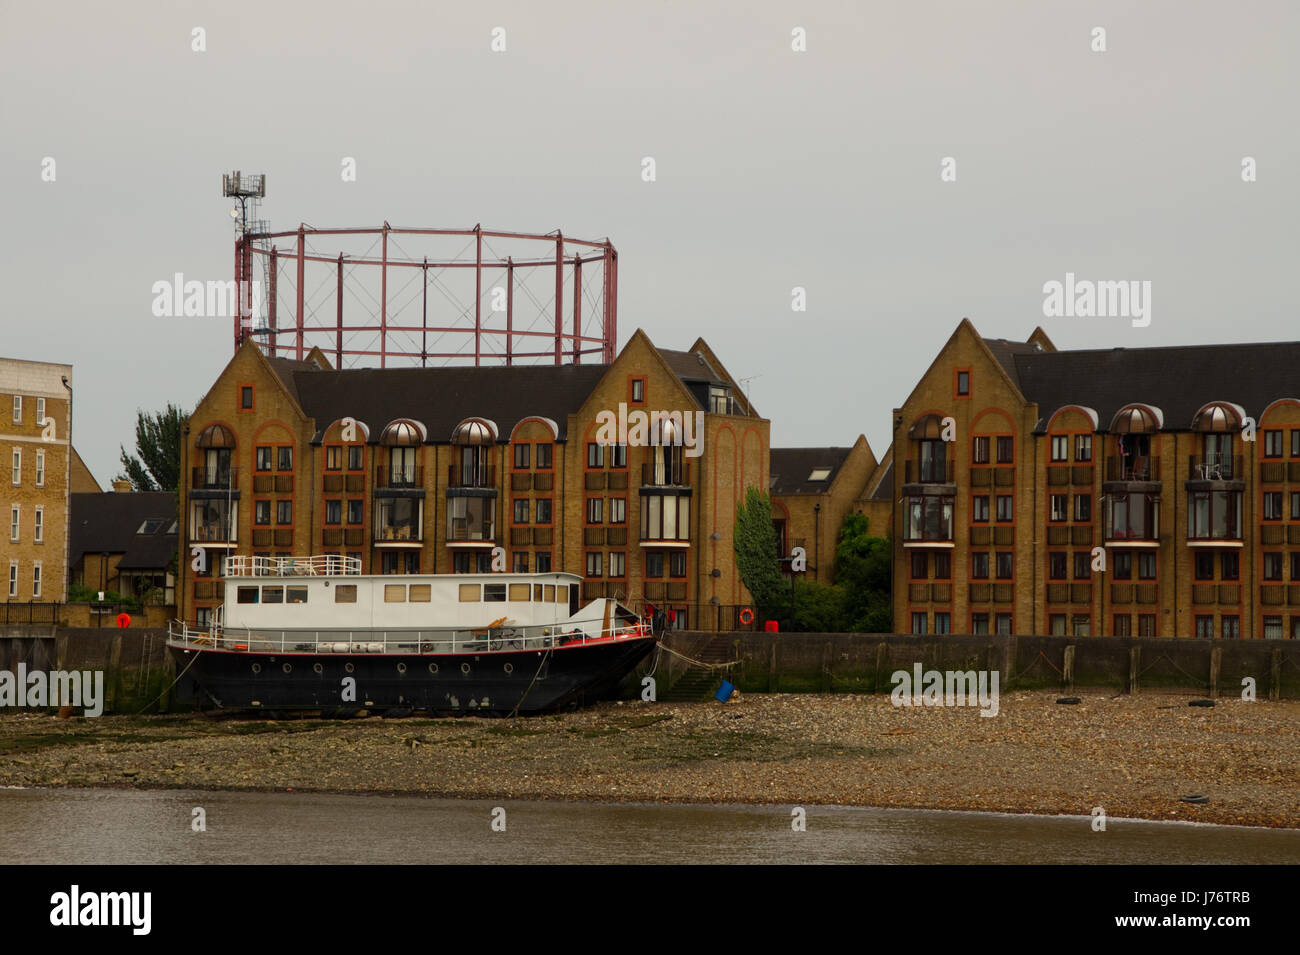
x,y
746,616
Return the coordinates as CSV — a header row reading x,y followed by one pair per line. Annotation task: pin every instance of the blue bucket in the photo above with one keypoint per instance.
x,y
724,692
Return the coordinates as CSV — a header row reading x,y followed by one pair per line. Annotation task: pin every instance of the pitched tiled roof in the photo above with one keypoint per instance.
x,y
689,366
441,398
1006,351
1178,380
108,524
792,466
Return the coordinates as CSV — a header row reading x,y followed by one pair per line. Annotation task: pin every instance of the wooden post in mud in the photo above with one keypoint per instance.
x,y
1067,672
1216,663
1275,684
771,670
1134,658
881,650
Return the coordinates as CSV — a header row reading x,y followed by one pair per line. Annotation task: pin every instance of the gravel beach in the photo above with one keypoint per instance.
x,y
1134,756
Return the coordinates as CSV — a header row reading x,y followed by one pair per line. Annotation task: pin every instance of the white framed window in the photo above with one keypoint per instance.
x,y
13,578
36,580
18,467
40,412
38,525
13,522
40,469
18,409
617,563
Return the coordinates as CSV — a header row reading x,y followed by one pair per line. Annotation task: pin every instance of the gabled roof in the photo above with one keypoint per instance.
x,y
286,368
690,366
1179,380
792,469
1005,353
108,523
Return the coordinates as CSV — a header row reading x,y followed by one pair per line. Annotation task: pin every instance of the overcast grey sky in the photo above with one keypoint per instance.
x,y
775,169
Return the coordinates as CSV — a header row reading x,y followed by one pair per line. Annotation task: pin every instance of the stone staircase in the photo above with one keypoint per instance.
x,y
699,683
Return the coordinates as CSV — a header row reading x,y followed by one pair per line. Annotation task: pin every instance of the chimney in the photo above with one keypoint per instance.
x,y
122,486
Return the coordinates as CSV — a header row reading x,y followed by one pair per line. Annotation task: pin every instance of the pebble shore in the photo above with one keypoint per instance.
x,y
1133,756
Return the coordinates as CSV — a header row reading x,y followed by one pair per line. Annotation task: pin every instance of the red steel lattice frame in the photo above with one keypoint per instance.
x,y
289,253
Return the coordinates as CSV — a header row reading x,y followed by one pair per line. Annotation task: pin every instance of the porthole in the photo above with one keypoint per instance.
x,y
318,668
348,667
257,668
401,668
433,668
509,668
287,668
464,668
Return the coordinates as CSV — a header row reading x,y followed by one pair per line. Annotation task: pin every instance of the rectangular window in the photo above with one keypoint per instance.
x,y
422,593
40,412
264,457
1004,508
285,458
1003,623
1006,449
272,595
1205,626
1082,625
246,397
638,390
677,564
942,622
1081,569
1146,566
620,456
943,566
593,564
333,458
1004,565
919,621
284,512
345,594
246,595
38,525
13,578
1056,565
543,558
595,510
523,452
920,565
520,562
979,566
355,511
963,383
544,456
14,521
654,565
1146,625
980,450
1124,566
1230,565
980,508
1204,565
595,456
333,512
261,512
1273,566
1272,444
394,593
40,472
17,467
617,510
1272,628
460,564
18,409
36,580
979,623
521,510
1273,506
1082,507
1123,625
1057,624
543,510
1231,628
494,593
1295,442
1059,507
1295,566
1083,447
1060,447
1295,495
354,457
617,564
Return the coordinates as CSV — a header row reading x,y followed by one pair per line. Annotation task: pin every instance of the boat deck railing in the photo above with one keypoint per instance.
x,y
421,642
317,565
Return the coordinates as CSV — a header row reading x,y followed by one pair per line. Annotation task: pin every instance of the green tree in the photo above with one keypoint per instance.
x,y
156,464
864,570
756,553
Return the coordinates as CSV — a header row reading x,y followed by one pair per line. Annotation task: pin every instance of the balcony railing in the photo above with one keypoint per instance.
x,y
211,533
205,479
668,474
543,536
480,476
459,531
399,477
1271,533
1214,467
401,533
928,472
1272,595
1272,472
521,481
1133,468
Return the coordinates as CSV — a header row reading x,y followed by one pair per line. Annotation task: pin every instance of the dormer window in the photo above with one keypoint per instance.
x,y
719,399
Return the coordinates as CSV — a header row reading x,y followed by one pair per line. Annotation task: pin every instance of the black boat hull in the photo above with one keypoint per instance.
x,y
526,681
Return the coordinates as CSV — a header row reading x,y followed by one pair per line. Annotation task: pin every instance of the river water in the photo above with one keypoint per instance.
x,y
114,826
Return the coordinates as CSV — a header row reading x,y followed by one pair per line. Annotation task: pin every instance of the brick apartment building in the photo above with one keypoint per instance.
x,y
427,470
1016,465
41,469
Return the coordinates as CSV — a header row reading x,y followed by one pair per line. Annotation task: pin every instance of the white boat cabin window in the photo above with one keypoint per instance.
x,y
494,593
246,595
420,593
345,594
296,595
394,593
519,592
537,593
469,593
549,594
562,593
272,595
